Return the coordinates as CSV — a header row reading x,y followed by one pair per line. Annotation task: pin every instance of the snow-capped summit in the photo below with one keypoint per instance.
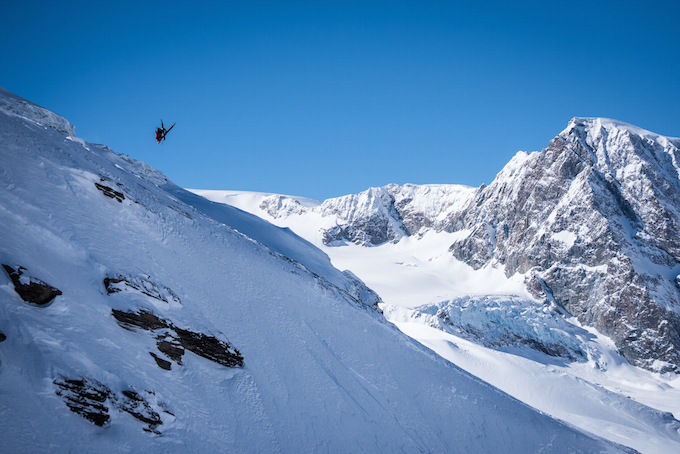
x,y
592,124
592,221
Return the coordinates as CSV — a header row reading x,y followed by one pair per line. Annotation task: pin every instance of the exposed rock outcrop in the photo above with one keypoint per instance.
x,y
139,408
92,400
86,397
31,289
172,340
110,192
162,363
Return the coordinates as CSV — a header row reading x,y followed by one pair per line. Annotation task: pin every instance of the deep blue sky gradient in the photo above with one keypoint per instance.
x,y
322,99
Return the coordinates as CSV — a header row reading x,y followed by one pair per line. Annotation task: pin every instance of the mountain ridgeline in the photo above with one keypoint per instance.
x,y
591,222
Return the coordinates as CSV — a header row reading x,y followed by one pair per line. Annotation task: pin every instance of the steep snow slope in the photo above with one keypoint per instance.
x,y
493,327
280,240
172,332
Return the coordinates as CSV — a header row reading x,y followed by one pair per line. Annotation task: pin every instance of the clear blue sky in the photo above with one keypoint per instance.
x,y
324,98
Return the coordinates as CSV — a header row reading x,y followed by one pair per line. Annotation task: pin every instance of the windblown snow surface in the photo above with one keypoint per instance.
x,y
482,321
321,371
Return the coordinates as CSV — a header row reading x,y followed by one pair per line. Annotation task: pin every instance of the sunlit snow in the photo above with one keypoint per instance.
x,y
602,394
322,370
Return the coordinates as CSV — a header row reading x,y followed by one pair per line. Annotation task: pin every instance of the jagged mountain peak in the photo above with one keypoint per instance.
x,y
592,221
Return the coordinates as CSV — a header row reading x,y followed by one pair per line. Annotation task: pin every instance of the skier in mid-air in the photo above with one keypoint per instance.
x,y
162,132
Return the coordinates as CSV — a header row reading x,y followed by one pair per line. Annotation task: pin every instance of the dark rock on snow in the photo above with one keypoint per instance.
x,y
86,397
142,319
134,404
142,284
30,289
171,348
209,347
92,400
163,364
110,192
173,340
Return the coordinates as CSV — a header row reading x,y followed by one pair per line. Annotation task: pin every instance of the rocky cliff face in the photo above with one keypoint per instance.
x,y
389,213
592,221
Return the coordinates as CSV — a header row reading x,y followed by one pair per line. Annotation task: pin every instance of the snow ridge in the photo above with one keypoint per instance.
x,y
12,104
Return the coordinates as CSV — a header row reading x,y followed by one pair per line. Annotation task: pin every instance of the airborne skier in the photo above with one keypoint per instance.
x,y
162,132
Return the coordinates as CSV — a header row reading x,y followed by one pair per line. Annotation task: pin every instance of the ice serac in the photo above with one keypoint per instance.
x,y
592,221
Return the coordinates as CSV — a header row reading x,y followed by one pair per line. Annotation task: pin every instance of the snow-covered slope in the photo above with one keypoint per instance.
x,y
17,106
525,249
132,321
